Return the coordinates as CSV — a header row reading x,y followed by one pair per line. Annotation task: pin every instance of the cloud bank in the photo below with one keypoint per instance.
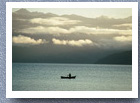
x,y
27,40
77,29
71,30
54,21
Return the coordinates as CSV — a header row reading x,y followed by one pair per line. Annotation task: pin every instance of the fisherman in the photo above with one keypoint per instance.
x,y
69,74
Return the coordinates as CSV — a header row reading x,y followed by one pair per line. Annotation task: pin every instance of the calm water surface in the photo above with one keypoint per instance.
x,y
90,77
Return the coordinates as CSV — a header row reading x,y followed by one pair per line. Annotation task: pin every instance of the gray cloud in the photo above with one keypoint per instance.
x,y
24,19
106,32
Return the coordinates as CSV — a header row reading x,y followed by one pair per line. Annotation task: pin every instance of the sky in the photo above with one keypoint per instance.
x,y
52,35
86,12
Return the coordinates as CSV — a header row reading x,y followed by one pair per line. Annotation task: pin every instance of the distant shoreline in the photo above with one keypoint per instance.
x,y
71,63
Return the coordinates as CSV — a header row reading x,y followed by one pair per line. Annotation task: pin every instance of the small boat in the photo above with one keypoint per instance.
x,y
72,77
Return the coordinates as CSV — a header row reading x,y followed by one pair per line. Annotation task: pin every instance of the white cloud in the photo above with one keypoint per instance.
x,y
76,29
27,40
54,21
123,38
99,31
78,43
128,25
44,30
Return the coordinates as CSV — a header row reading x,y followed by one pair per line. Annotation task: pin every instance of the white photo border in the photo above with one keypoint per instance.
x,y
71,94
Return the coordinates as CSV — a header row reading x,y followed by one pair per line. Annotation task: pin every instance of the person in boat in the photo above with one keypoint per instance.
x,y
69,74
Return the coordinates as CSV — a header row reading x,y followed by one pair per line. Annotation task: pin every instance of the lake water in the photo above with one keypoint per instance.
x,y
90,77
